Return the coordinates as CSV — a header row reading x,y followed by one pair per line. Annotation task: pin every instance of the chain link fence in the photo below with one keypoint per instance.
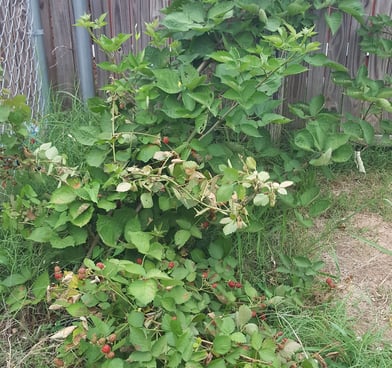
x,y
18,58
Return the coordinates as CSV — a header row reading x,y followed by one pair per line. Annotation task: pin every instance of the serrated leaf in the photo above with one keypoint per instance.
x,y
238,338
41,234
294,69
343,153
40,286
140,240
147,152
109,230
368,131
63,195
304,140
243,315
334,21
256,341
318,207
167,80
181,237
143,290
96,157
316,104
221,344
225,192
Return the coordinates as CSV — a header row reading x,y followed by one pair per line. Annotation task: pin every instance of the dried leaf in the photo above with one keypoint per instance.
x,y
63,334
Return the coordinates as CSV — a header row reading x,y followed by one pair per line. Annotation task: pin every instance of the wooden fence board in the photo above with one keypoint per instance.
x,y
63,38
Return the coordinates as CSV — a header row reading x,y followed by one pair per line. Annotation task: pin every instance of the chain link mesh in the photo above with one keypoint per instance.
x,y
18,57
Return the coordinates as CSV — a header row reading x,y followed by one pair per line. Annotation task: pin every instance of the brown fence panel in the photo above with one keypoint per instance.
x,y
57,17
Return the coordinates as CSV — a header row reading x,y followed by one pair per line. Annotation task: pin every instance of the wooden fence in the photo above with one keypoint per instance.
x,y
123,16
129,16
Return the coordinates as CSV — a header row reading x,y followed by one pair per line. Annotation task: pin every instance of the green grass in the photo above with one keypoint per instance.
x,y
326,330
57,124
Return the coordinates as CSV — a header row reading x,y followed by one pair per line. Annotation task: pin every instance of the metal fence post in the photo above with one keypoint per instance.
x,y
84,53
38,33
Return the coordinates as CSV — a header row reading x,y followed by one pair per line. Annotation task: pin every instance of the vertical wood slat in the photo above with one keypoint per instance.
x,y
46,20
64,40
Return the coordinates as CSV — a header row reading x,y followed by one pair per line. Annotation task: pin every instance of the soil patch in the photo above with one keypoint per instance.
x,y
362,259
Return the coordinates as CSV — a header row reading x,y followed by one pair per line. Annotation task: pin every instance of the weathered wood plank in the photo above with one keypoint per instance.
x,y
63,39
46,20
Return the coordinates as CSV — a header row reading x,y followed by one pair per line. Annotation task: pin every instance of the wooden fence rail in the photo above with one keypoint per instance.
x,y
130,16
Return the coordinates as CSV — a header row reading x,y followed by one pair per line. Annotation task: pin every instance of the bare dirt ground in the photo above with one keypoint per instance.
x,y
361,258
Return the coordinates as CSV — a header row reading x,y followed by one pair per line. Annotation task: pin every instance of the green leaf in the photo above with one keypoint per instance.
x,y
147,152
354,8
238,338
322,60
139,339
146,199
159,347
218,363
15,279
334,21
77,309
343,153
136,319
297,7
181,237
168,80
140,240
304,140
41,234
221,56
256,341
221,344
250,291
316,104
179,294
243,315
96,157
84,218
309,195
227,326
114,363
250,130
220,10
308,223
324,159
177,22
302,262
40,286
86,135
294,69
109,230
318,207
63,195
368,131
224,193
61,243
143,290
